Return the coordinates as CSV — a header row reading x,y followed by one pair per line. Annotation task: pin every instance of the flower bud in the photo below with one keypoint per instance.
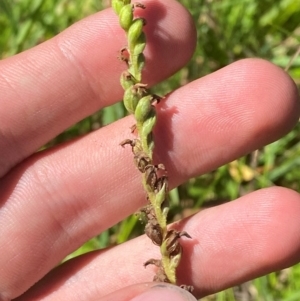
x,y
160,196
140,44
126,80
137,65
149,124
143,108
174,261
134,32
165,212
117,5
130,100
126,16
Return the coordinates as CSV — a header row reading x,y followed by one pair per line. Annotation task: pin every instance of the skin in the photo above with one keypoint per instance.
x,y
53,201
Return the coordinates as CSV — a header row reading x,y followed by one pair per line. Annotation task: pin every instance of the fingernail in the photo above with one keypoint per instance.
x,y
166,292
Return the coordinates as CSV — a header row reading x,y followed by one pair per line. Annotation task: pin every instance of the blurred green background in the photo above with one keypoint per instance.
x,y
228,30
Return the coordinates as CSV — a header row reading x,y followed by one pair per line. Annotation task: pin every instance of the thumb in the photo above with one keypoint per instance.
x,y
150,292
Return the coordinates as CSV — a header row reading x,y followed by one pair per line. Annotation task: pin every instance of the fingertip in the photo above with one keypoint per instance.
x,y
171,42
229,113
241,240
151,292
270,85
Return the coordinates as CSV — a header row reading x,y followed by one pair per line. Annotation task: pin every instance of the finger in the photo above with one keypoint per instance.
x,y
47,89
77,190
150,292
231,243
145,292
225,115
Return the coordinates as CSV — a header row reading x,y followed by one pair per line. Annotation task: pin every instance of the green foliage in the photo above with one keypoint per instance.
x,y
228,30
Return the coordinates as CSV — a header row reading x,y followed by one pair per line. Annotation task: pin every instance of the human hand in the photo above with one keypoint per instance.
x,y
54,201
